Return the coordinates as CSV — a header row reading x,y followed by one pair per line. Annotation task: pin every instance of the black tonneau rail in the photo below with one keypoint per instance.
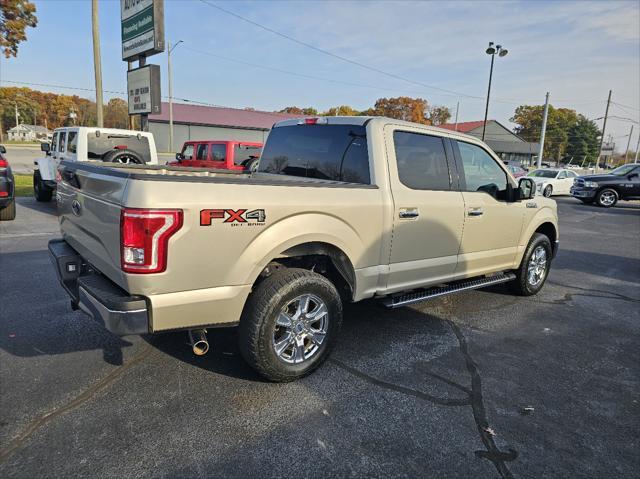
x,y
199,175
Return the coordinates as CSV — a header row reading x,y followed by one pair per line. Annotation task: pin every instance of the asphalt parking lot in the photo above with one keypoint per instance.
x,y
481,384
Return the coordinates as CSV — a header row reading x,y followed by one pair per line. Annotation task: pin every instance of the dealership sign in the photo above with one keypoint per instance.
x,y
143,90
142,27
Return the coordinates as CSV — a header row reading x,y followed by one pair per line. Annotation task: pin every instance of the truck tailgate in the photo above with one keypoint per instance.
x,y
89,205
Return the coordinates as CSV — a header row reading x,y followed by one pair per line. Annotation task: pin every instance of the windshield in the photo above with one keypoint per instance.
x,y
543,174
100,144
623,170
328,152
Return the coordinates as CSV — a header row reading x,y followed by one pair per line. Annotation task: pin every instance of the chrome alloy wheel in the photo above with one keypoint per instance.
x,y
300,329
607,198
537,266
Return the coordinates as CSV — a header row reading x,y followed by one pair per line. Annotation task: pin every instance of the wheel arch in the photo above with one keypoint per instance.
x,y
546,223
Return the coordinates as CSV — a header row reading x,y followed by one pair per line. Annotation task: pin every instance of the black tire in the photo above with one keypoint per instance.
x,y
123,156
252,165
547,191
8,212
521,285
258,323
41,191
604,195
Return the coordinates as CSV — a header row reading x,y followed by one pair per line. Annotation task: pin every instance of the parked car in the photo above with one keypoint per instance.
x,y
340,209
553,181
7,188
226,155
79,143
623,183
517,171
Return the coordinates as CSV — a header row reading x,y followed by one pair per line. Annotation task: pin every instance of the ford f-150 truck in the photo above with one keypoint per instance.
x,y
340,209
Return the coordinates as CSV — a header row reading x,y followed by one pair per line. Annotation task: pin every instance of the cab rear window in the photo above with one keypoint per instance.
x,y
327,152
99,144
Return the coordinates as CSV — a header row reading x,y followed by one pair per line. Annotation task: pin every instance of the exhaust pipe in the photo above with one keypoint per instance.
x,y
198,340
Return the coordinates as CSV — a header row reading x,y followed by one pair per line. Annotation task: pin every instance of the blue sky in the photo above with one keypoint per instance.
x,y
575,50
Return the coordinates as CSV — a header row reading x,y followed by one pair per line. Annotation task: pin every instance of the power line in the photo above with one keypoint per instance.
x,y
339,57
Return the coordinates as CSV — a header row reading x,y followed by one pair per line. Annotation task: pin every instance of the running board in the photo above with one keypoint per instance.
x,y
425,294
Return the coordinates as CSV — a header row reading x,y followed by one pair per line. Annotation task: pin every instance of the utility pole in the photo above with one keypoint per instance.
x,y
604,126
97,63
626,152
17,114
544,130
170,97
455,128
635,160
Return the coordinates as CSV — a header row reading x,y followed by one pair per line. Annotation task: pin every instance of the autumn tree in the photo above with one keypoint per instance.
x,y
15,17
559,120
116,114
294,110
438,115
342,110
401,108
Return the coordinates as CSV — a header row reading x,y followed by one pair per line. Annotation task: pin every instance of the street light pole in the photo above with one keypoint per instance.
x,y
169,48
501,53
626,152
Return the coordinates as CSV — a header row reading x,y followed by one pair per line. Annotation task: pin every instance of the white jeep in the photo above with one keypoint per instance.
x,y
80,143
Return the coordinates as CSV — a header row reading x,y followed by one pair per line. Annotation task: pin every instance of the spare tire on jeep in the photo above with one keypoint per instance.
x,y
123,156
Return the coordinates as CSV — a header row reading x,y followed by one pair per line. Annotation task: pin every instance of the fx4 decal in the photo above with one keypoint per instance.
x,y
235,217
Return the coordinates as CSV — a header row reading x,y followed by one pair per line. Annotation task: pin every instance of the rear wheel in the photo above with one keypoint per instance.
x,y
9,212
607,198
41,191
290,324
547,191
534,269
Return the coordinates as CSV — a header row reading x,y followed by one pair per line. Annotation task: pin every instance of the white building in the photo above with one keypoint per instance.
x,y
24,132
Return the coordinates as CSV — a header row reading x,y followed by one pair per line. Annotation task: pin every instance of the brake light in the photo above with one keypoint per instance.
x,y
144,237
4,163
313,121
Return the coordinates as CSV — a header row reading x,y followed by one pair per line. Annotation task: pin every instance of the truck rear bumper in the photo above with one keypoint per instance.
x,y
96,295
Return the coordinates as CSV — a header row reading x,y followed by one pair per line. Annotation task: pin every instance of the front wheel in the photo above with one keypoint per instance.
x,y
547,191
534,268
607,198
290,324
41,191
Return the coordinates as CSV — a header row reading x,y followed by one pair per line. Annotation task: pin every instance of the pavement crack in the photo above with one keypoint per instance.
x,y
474,398
397,388
609,294
79,400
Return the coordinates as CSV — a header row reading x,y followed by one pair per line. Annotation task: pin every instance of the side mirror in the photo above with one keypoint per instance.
x,y
526,189
179,156
3,150
45,147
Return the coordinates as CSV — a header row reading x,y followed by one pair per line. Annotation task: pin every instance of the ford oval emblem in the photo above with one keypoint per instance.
x,y
76,207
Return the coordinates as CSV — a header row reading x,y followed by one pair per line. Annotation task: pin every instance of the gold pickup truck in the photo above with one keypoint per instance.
x,y
340,209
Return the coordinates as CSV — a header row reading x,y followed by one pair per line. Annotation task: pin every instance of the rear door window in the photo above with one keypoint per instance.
x,y
201,153
327,152
62,142
54,142
422,163
72,142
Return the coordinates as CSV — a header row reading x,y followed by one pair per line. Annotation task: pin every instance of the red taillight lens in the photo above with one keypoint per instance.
x,y
310,121
144,236
4,163
4,194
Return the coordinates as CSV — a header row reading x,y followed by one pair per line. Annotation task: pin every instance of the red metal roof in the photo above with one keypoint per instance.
x,y
219,116
464,127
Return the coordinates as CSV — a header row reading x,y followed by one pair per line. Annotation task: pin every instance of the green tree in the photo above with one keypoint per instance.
x,y
401,108
294,110
15,17
439,115
583,140
559,120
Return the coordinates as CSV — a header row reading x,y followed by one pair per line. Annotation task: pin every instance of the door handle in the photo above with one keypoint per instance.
x,y
408,213
475,212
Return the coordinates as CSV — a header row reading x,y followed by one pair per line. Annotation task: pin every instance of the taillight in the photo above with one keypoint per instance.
x,y
3,164
144,236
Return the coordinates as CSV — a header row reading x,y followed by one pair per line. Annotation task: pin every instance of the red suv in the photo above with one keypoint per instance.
x,y
227,155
